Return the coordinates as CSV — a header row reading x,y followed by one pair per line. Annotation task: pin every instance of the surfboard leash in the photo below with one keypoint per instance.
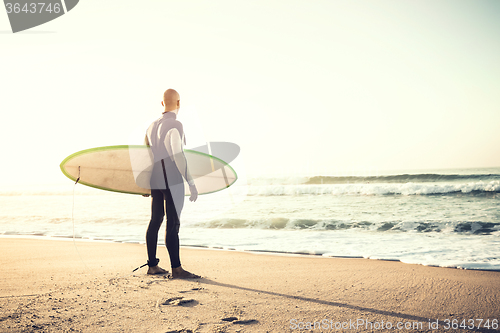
x,y
140,267
74,242
78,179
73,221
125,275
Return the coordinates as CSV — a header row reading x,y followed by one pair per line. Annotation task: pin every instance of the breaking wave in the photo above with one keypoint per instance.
x,y
460,227
404,178
492,187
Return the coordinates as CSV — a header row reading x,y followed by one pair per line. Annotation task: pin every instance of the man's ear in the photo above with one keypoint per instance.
x,y
162,103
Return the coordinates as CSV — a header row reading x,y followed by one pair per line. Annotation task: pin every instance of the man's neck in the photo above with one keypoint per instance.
x,y
173,111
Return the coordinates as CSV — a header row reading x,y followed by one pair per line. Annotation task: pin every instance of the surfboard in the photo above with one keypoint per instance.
x,y
127,169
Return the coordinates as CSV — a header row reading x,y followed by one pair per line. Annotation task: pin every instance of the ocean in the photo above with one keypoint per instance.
x,y
446,218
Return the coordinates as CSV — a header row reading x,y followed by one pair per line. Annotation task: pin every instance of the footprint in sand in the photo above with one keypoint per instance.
x,y
235,320
245,322
180,301
188,291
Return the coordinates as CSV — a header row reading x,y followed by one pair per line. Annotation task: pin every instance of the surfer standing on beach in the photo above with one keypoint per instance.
x,y
165,136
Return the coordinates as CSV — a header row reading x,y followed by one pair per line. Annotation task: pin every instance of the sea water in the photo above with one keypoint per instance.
x,y
448,218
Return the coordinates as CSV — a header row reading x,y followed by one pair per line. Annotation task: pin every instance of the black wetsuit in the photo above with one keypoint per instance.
x,y
167,191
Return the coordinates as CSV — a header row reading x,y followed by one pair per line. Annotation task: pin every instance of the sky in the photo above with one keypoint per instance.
x,y
303,87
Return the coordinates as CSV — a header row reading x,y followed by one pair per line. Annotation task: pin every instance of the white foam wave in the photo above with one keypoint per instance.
x,y
375,189
458,250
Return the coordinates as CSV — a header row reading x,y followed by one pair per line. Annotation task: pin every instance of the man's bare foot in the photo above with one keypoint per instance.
x,y
180,273
156,270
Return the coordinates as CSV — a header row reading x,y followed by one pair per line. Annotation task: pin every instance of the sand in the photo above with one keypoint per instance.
x,y
53,286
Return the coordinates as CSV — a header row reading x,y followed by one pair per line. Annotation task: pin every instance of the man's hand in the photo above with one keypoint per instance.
x,y
194,193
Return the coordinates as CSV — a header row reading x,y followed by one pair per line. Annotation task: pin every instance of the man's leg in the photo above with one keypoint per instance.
x,y
172,232
157,214
174,202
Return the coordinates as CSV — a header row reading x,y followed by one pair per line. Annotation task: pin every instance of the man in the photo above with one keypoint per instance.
x,y
165,136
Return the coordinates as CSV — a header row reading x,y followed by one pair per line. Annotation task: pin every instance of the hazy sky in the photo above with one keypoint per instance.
x,y
302,86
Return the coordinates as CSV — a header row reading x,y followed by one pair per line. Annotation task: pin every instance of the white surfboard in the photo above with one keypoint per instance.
x,y
127,169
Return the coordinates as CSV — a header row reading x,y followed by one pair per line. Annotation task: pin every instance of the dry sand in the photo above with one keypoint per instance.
x,y
51,286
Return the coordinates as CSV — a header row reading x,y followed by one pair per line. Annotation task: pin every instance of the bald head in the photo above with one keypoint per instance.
x,y
171,100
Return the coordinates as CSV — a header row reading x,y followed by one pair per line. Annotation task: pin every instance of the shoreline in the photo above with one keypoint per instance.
x,y
47,285
231,249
